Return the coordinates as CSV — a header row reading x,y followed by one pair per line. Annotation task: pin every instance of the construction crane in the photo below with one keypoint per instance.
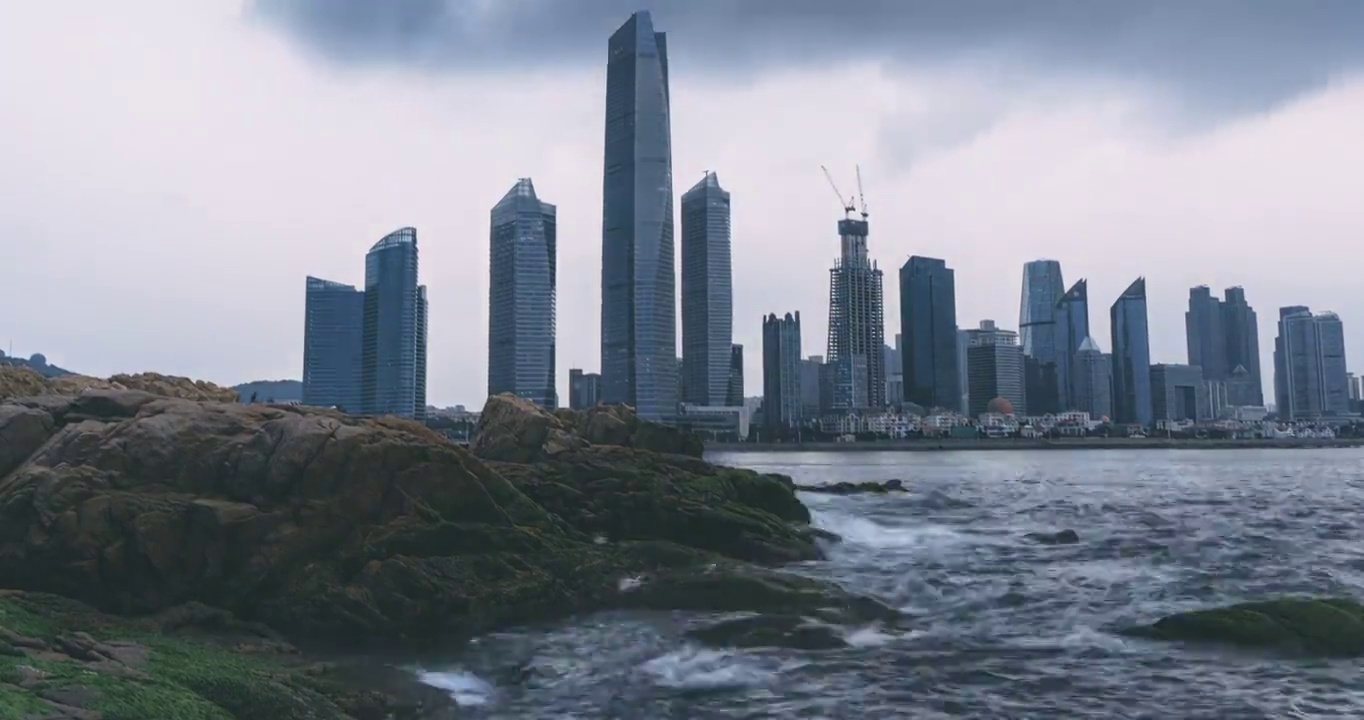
x,y
860,197
848,206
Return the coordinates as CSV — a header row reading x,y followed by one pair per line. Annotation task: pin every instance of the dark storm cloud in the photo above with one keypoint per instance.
x,y
1230,54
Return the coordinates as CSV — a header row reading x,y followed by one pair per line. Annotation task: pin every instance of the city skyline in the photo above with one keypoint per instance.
x,y
330,165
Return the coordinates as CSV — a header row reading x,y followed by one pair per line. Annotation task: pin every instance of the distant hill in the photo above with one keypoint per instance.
x,y
279,391
37,363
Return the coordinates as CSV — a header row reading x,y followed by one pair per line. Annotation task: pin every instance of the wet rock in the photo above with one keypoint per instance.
x,y
1064,537
1326,626
778,631
373,531
849,488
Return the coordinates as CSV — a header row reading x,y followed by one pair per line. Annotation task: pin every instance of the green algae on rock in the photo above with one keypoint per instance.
x,y
374,532
1317,626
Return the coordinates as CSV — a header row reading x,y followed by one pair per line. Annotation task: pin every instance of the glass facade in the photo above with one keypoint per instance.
x,y
1038,334
1131,357
929,350
1204,334
521,296
781,371
857,328
707,293
1310,373
333,328
1241,326
1072,329
638,294
393,356
994,367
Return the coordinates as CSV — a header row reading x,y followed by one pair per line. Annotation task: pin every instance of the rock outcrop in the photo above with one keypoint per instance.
x,y
377,531
1315,626
855,488
18,382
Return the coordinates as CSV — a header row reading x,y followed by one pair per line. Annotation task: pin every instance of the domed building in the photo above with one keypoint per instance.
x,y
1000,406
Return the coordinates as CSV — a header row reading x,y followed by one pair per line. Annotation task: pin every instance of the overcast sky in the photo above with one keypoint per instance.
x,y
172,170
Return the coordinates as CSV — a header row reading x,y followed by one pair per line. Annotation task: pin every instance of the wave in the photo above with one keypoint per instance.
x,y
694,668
467,689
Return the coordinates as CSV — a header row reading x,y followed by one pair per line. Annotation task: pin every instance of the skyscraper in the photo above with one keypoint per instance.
x,y
1205,334
1240,325
781,372
638,299
1131,357
333,328
1072,329
1310,371
584,389
928,334
1092,385
393,355
1043,288
707,293
857,328
521,296
734,397
995,368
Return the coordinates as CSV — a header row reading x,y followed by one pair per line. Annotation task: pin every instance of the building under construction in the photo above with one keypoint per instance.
x,y
857,330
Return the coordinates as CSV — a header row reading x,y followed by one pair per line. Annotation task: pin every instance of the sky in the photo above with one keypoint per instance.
x,y
173,170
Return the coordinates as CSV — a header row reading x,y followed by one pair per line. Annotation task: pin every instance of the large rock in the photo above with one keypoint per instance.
x,y
365,530
17,382
517,430
1330,626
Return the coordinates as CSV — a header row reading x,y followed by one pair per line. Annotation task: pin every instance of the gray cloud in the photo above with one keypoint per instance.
x,y
1220,55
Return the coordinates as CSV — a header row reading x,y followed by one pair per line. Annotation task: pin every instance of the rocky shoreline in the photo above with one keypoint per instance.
x,y
165,553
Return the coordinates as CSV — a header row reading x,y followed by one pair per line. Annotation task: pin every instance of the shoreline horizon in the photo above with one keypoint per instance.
x,y
998,444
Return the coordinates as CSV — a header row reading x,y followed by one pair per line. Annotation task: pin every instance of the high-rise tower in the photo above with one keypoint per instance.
x,y
638,298
857,329
333,328
707,293
1240,325
1131,357
1205,334
1072,329
929,360
1043,288
521,296
393,356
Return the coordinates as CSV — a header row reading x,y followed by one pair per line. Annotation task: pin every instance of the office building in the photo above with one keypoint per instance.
x,y
1241,327
994,367
707,294
1038,334
781,372
1204,334
928,334
1311,380
1179,393
1131,357
584,389
393,354
1092,381
812,400
638,298
734,396
521,296
1072,329
333,331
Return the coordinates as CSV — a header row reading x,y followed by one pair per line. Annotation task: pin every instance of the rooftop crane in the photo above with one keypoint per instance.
x,y
860,197
848,206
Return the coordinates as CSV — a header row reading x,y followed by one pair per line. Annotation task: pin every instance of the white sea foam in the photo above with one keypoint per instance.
x,y
627,584
694,669
466,688
871,534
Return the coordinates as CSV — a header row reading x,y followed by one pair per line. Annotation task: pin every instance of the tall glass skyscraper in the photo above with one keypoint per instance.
x,y
782,404
638,298
1241,326
1131,357
1038,334
393,355
521,296
1072,329
1204,334
707,293
1310,372
333,328
929,350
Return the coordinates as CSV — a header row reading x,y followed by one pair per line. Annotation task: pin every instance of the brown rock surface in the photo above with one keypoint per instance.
x,y
371,530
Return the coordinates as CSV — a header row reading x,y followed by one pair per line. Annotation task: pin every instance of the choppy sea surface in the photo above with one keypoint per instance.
x,y
1001,627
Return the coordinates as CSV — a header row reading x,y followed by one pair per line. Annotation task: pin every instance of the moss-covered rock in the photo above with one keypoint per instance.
x,y
1317,626
72,661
